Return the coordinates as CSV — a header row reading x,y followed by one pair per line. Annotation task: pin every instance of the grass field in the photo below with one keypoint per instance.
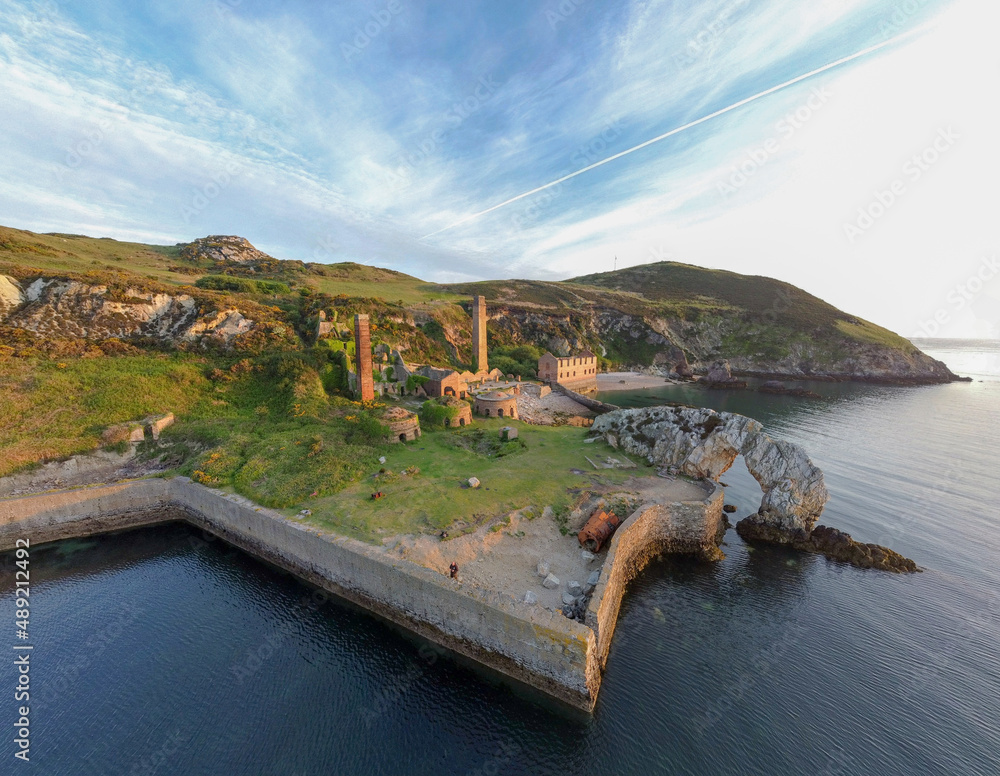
x,y
437,499
52,409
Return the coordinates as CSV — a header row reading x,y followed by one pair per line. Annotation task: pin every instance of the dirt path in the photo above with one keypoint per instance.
x,y
506,560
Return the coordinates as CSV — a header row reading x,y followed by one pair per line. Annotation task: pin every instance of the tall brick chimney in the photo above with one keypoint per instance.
x,y
479,363
363,358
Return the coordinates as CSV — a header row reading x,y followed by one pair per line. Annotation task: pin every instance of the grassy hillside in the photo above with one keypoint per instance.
x,y
707,314
69,253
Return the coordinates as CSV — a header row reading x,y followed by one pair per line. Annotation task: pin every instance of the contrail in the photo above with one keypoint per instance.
x,y
672,132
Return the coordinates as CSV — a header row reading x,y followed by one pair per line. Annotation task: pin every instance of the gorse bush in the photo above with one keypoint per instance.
x,y
242,285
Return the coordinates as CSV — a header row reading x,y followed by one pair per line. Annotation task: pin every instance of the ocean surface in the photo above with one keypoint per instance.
x,y
160,652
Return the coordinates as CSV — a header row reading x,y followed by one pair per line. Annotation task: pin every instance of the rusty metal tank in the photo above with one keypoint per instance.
x,y
598,530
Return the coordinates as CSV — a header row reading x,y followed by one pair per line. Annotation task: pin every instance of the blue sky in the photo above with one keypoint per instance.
x,y
359,131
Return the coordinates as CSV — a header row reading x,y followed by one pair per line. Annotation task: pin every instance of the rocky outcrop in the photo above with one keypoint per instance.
x,y
834,544
778,388
703,443
720,375
225,249
11,295
59,307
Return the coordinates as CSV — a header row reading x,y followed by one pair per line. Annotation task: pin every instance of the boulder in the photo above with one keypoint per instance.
x,y
123,432
730,508
474,482
719,372
587,555
543,569
568,599
594,578
551,582
530,598
574,588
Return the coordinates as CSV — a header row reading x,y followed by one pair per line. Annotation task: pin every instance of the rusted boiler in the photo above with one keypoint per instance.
x,y
598,530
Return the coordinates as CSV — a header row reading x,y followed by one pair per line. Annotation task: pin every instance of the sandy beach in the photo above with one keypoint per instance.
x,y
629,381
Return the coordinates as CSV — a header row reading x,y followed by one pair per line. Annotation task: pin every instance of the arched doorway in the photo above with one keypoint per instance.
x,y
402,437
499,412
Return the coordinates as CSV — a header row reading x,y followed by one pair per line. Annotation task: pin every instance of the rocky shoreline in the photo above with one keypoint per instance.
x,y
703,444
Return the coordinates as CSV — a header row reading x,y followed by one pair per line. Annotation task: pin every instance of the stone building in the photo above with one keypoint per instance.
x,y
577,373
445,382
323,327
404,426
496,404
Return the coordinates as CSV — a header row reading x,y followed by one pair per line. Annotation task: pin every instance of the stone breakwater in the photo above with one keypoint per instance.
x,y
531,644
703,443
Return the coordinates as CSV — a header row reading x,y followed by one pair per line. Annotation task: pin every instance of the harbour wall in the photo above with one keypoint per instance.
x,y
687,528
536,646
528,643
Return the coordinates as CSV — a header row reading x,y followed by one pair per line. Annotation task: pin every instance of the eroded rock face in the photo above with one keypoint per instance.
x,y
70,308
11,295
704,443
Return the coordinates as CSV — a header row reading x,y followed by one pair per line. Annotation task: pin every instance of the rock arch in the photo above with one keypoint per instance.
x,y
703,443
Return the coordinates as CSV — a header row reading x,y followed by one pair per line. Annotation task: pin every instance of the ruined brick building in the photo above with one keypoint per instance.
x,y
577,373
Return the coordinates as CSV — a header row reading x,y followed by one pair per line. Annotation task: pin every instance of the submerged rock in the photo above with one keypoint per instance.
x,y
834,544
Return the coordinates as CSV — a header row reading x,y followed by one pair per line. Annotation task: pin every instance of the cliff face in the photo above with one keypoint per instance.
x,y
662,317
668,343
59,307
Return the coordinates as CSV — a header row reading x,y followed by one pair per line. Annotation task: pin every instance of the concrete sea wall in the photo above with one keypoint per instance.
x,y
533,645
599,407
689,528
539,647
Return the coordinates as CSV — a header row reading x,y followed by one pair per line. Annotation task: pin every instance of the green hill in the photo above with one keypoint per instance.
x,y
661,314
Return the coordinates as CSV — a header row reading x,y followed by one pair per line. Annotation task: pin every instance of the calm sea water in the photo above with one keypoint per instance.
x,y
159,652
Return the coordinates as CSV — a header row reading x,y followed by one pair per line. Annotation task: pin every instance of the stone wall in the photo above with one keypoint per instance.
x,y
692,528
599,407
530,644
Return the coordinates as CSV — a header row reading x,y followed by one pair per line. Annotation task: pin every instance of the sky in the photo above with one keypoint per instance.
x,y
388,132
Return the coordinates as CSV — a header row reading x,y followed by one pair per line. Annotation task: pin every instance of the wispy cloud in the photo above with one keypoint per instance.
x,y
349,132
